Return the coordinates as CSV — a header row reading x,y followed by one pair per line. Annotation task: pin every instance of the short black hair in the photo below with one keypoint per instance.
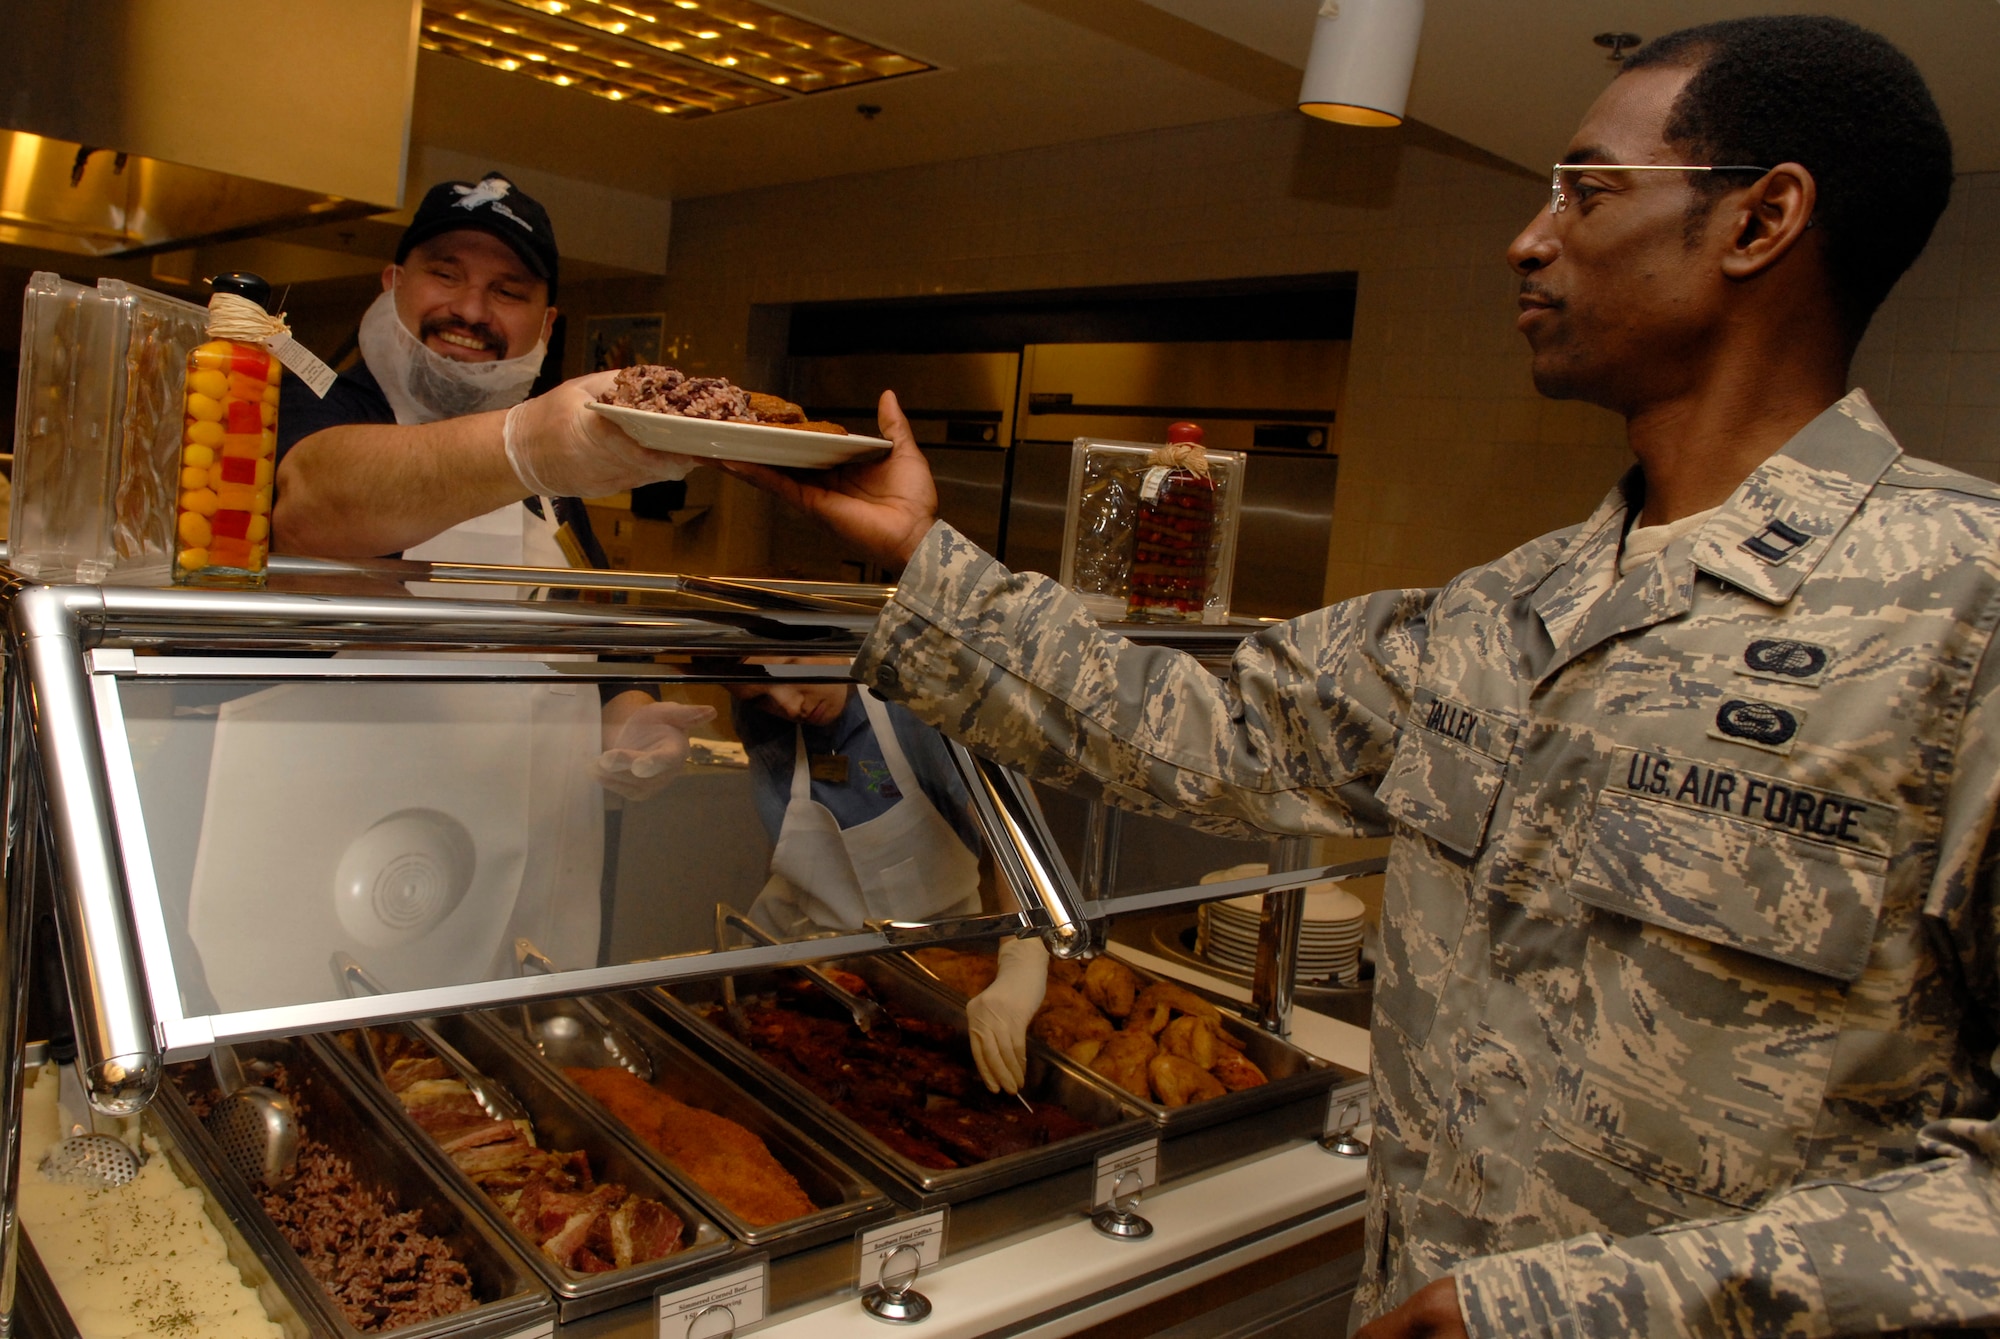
x,y
1841,102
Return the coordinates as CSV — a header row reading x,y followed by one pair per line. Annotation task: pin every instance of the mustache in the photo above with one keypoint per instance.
x,y
1531,289
485,334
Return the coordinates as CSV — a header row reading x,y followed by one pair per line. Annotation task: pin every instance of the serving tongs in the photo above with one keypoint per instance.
x,y
616,1041
493,1099
867,1014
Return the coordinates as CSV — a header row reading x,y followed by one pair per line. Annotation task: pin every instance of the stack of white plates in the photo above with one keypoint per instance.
x,y
1329,940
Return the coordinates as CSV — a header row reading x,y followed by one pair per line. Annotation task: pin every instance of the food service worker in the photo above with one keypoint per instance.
x,y
869,821
1686,1015
431,449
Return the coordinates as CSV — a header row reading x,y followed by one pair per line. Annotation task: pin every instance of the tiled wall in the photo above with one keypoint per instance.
x,y
1931,360
1448,456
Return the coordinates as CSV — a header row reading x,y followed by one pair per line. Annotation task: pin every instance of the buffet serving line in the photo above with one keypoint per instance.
x,y
341,1023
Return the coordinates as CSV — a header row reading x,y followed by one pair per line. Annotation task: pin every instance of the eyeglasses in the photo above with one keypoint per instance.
x,y
1559,198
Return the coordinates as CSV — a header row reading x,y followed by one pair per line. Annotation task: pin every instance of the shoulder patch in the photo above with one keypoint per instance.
x,y
1910,472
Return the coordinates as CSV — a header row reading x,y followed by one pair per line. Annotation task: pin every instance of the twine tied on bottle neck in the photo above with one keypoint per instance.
x,y
234,317
1181,456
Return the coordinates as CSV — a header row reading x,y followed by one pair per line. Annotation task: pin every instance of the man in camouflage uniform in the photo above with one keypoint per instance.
x,y
1685,1019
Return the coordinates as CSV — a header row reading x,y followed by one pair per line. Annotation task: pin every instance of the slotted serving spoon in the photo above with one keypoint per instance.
x,y
256,1127
617,1042
493,1099
84,1157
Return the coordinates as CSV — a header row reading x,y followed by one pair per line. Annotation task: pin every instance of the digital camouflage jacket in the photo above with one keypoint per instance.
x,y
1686,1013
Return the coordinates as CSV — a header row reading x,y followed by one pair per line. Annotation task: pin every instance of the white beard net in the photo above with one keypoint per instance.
x,y
423,386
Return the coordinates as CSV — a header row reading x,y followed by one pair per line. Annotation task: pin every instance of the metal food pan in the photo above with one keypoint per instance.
x,y
561,1121
1294,1074
1050,1079
511,1300
846,1200
47,1317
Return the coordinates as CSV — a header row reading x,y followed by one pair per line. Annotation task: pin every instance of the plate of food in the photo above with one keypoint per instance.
x,y
711,418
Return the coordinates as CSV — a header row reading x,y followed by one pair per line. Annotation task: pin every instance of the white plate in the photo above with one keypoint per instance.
x,y
758,443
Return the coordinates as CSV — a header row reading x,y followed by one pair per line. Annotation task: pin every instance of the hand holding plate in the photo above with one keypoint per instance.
x,y
883,506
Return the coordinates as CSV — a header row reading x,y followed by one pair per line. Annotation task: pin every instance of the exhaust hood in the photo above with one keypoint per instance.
x,y
134,128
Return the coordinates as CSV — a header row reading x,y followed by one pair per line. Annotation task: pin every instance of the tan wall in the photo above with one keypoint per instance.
x,y
1448,456
1931,360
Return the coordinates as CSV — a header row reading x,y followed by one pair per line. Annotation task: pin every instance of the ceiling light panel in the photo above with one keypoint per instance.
x,y
683,58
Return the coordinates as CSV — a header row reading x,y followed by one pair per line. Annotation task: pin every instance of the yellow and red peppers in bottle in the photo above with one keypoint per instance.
x,y
229,447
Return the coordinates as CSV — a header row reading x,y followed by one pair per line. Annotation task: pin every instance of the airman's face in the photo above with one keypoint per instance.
x,y
1618,293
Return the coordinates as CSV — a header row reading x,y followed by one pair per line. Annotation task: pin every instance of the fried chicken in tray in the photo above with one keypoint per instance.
x,y
905,1083
1160,1042
551,1196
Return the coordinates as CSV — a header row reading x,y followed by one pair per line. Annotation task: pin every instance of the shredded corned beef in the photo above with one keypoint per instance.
x,y
379,1265
667,390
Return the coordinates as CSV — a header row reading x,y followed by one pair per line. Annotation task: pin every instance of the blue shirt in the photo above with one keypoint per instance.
x,y
869,790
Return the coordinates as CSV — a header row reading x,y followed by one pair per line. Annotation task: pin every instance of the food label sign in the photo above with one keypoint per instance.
x,y
1141,1158
1347,1109
716,1308
924,1233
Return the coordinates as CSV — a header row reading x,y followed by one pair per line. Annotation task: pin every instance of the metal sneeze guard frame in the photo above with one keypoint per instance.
x,y
74,826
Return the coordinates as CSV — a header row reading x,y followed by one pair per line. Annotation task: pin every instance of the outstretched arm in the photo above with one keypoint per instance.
x,y
1293,741
361,490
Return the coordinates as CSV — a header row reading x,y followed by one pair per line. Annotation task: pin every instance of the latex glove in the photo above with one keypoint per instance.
x,y
561,448
649,749
1000,1014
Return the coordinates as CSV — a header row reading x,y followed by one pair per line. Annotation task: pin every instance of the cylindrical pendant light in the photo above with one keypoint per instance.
x,y
1363,54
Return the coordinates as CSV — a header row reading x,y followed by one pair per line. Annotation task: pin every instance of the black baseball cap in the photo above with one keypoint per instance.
x,y
495,205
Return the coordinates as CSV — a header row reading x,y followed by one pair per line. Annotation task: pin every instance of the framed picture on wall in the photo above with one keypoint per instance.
x,y
624,341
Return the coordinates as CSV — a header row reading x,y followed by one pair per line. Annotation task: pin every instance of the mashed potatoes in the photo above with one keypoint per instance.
x,y
140,1260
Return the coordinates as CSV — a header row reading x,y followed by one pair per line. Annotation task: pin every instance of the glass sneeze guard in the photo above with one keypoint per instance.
x,y
231,779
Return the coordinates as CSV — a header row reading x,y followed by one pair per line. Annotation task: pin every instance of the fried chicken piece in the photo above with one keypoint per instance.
x,y
1177,1081
1063,1028
1084,1052
1110,985
820,425
774,409
1193,1039
1178,998
720,1156
1059,996
1150,1015
1237,1071
966,973
1124,1059
1066,970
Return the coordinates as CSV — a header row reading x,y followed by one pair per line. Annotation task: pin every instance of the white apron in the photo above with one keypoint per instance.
x,y
509,536
906,864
